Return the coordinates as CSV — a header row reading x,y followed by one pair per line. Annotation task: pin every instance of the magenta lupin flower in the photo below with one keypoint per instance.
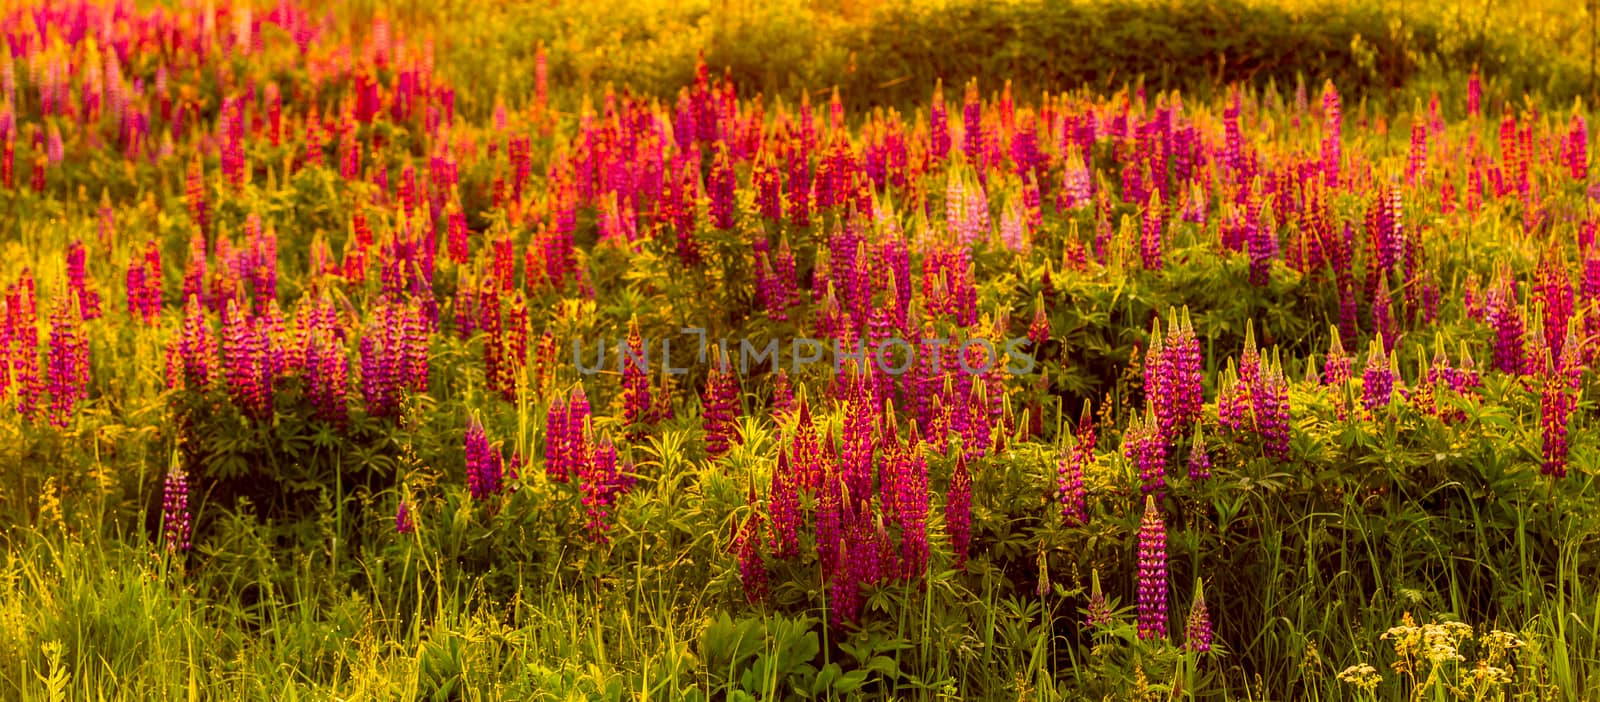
x,y
1577,151
768,186
1069,482
636,405
1261,239
67,372
484,463
721,187
1474,94
1272,411
177,522
1184,369
575,430
1150,246
910,506
1331,146
1197,631
246,358
844,588
1143,445
1558,397
938,125
752,567
799,184
1099,610
720,410
1154,370
1553,291
555,451
144,284
456,230
1417,156
1152,605
1505,317
1088,436
197,350
195,196
327,372
783,502
1199,458
782,394
958,511
403,524
1383,322
602,481
1039,329
1337,369
1377,382
78,281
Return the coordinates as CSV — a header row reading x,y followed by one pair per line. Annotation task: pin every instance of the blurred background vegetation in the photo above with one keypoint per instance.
x,y
890,52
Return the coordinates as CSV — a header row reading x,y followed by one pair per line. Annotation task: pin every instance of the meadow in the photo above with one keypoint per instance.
x,y
854,350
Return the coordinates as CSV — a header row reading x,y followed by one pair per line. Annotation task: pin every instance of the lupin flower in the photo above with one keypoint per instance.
x,y
555,433
635,378
327,373
1558,397
578,416
1069,481
1272,411
1154,370
1152,573
1143,445
1474,93
144,284
1505,318
1199,459
602,481
1150,246
1383,322
719,410
906,497
782,393
958,511
721,186
1261,236
1553,291
768,185
1012,232
938,124
1182,396
177,522
484,463
1336,370
752,567
1577,151
1377,382
195,196
1197,631
783,502
1039,329
78,282
403,524
67,374
1099,611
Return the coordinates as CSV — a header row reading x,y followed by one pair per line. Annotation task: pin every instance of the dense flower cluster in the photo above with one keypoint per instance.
x,y
864,230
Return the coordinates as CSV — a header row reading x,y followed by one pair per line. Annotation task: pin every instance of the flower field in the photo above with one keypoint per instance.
x,y
329,370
